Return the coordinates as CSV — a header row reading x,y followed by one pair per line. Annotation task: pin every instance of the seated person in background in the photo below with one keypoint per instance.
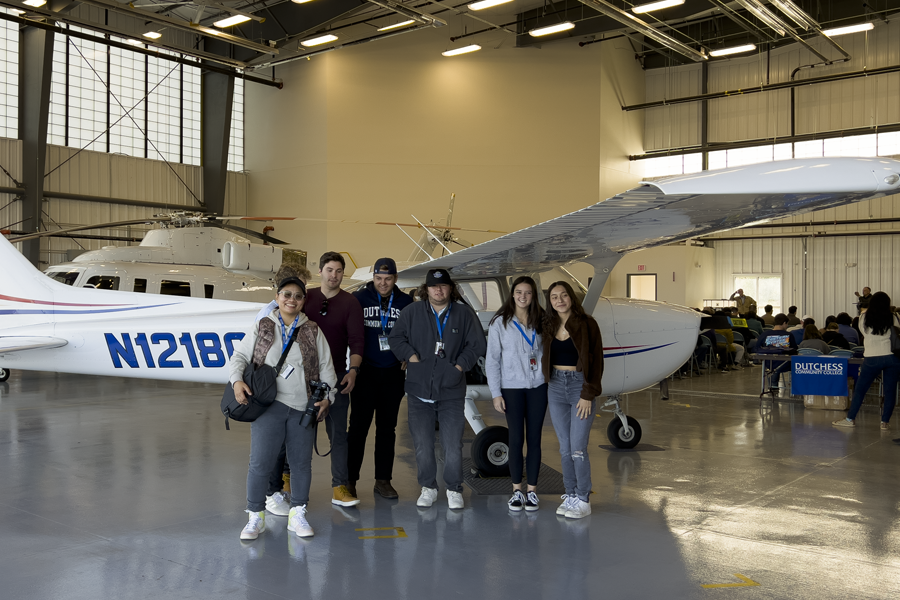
x,y
828,319
844,326
797,332
793,321
755,324
813,339
730,348
777,341
833,337
768,318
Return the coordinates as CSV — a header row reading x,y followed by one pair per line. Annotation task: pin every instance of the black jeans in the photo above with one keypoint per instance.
x,y
525,410
377,394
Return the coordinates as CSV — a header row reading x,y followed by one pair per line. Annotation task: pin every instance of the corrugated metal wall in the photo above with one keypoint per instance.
x,y
672,126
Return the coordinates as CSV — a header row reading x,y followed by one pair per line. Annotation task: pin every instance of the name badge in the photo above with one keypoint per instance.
x,y
286,371
439,349
383,343
532,362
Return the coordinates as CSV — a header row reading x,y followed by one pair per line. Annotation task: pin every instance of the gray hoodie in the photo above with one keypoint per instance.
x,y
507,360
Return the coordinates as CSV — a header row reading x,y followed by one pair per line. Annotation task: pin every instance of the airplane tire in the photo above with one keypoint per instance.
x,y
616,433
4,375
490,451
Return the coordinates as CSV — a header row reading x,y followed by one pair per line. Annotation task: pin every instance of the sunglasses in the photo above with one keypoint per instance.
x,y
289,295
324,310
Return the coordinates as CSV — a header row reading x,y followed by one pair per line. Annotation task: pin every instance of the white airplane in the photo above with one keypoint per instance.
x,y
48,326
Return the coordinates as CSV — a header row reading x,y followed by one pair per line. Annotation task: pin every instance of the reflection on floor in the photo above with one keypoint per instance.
x,y
133,489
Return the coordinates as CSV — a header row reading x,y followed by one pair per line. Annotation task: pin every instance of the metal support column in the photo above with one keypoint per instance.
x,y
704,114
35,68
217,98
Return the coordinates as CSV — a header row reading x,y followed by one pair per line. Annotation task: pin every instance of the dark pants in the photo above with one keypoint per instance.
x,y
422,417
525,410
338,413
889,365
276,477
377,394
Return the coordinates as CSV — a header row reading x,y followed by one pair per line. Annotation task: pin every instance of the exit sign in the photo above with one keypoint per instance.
x,y
642,267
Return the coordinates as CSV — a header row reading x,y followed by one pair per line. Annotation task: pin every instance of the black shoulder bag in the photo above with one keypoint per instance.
x,y
263,383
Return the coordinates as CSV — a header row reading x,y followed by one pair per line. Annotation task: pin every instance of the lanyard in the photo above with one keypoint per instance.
x,y
437,320
286,335
522,331
385,318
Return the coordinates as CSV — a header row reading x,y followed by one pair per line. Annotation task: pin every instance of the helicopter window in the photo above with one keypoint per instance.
x,y
66,277
103,282
208,290
175,288
140,286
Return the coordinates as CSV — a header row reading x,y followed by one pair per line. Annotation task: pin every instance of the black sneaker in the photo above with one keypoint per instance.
x,y
531,502
517,502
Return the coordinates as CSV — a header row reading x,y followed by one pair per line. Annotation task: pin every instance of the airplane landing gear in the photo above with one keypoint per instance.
x,y
490,451
623,431
4,374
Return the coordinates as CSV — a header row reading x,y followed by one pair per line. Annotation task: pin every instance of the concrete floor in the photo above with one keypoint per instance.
x,y
133,489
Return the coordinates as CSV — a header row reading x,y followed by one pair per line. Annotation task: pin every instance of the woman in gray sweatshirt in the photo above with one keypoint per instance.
x,y
513,366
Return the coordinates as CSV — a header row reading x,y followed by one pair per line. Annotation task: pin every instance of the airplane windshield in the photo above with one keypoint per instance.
x,y
66,277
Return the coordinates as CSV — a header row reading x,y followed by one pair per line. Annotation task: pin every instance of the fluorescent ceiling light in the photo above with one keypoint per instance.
x,y
300,1
463,50
322,39
848,29
551,29
134,42
396,25
16,11
232,20
153,35
35,3
645,8
486,4
766,16
734,50
795,14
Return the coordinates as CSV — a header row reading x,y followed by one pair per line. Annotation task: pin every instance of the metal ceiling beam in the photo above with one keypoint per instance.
x,y
411,13
471,16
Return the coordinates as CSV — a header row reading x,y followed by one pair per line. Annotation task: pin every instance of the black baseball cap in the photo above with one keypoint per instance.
x,y
385,266
294,280
437,277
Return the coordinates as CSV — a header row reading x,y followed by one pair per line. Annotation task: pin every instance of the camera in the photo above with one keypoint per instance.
x,y
319,389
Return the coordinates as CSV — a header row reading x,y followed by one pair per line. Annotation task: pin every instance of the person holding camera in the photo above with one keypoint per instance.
x,y
379,387
440,338
308,361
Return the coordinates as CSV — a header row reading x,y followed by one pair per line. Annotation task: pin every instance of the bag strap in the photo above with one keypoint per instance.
x,y
331,437
287,349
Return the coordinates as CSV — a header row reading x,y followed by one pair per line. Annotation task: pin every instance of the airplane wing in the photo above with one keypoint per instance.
x,y
675,209
10,344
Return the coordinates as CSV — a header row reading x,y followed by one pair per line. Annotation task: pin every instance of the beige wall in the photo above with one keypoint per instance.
x,y
385,130
685,275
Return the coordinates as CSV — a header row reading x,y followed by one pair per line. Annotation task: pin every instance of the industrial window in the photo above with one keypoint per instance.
x,y
140,286
103,282
236,145
208,290
66,277
9,78
765,289
175,288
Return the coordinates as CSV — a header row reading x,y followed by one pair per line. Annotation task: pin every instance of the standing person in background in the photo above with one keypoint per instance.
x,y
440,338
743,303
379,387
864,300
768,318
792,317
877,359
573,365
513,367
340,317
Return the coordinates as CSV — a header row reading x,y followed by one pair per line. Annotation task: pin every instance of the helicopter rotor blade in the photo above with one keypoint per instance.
x,y
249,233
40,234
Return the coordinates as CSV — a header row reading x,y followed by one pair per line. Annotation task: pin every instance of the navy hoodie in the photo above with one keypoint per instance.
x,y
370,300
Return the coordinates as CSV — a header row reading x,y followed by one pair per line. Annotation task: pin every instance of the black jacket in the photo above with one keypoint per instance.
x,y
415,333
370,300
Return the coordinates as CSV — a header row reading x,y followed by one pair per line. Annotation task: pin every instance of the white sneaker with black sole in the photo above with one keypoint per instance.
x,y
455,500
578,509
427,497
297,522
517,501
563,508
531,502
279,504
255,525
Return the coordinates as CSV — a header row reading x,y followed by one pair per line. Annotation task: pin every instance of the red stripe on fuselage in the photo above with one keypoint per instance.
x,y
26,301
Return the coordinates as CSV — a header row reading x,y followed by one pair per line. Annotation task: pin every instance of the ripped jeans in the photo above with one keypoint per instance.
x,y
563,393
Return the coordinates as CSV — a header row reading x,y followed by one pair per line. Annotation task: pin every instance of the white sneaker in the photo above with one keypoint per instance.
x,y
578,509
297,522
455,500
565,506
427,497
279,504
255,526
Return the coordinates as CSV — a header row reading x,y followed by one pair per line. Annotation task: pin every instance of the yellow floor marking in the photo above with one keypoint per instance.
x,y
399,530
747,583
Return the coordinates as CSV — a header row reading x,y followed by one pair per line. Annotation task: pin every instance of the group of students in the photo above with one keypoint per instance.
x,y
396,346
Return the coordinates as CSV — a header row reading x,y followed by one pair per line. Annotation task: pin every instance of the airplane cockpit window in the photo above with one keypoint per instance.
x,y
140,286
175,288
66,277
103,282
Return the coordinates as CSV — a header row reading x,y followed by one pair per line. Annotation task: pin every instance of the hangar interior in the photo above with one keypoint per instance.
x,y
132,487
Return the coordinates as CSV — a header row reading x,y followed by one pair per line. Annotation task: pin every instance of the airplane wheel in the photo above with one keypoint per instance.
x,y
616,433
490,451
4,375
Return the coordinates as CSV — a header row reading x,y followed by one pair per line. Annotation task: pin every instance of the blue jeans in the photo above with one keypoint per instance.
x,y
279,426
451,414
871,367
563,393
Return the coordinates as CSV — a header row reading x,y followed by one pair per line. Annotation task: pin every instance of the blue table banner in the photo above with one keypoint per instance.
x,y
819,376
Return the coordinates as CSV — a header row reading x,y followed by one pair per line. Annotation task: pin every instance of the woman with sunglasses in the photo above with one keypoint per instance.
x,y
308,359
573,367
517,384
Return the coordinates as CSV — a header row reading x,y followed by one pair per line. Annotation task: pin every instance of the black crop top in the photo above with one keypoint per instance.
x,y
563,353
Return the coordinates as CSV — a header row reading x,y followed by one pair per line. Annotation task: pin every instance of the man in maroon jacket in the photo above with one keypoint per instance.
x,y
340,317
